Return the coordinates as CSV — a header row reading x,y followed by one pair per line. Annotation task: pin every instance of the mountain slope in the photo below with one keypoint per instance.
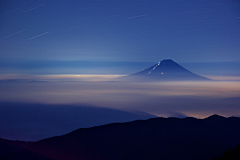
x,y
166,70
156,138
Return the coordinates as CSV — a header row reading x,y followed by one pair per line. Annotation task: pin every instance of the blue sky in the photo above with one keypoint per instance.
x,y
109,31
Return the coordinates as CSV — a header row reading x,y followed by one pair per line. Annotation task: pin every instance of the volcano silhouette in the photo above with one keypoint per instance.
x,y
166,70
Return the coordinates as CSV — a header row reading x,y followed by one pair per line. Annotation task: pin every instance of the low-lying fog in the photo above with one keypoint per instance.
x,y
197,99
33,110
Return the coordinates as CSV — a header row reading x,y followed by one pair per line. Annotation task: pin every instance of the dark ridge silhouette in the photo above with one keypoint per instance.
x,y
32,121
156,138
231,154
7,148
166,70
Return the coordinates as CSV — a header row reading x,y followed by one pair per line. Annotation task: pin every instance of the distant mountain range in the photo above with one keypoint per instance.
x,y
166,70
154,139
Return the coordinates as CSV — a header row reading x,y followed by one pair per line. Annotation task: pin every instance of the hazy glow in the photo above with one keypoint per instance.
x,y
67,77
81,77
93,77
198,99
224,78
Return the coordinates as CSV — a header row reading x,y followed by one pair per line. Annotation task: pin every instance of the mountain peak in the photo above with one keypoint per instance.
x,y
168,63
167,60
215,116
165,70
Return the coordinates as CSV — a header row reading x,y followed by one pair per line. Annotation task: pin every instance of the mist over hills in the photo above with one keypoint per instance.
x,y
156,138
166,70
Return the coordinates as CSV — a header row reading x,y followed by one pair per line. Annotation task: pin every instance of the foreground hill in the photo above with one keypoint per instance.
x,y
166,70
156,138
231,154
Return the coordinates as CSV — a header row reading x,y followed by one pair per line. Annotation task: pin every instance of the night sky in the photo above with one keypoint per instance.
x,y
78,34
65,53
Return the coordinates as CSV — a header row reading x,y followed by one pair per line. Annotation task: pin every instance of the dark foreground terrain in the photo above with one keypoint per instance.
x,y
156,138
233,154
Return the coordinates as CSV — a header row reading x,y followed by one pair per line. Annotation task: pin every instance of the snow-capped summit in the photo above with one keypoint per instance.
x,y
166,70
